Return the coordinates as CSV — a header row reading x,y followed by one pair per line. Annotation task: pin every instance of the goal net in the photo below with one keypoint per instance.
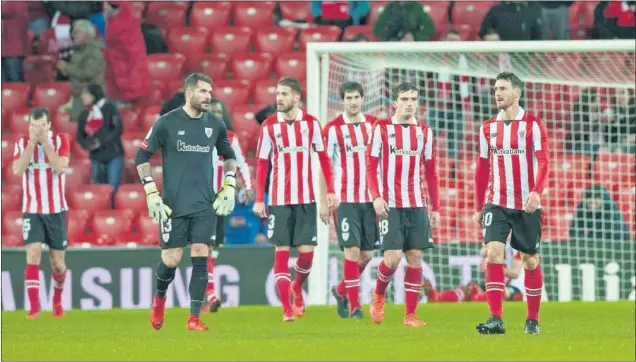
x,y
583,91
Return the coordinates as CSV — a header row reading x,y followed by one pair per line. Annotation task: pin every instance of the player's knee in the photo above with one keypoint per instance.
x,y
392,258
496,252
365,257
171,257
199,249
58,262
530,261
352,253
34,253
306,248
414,258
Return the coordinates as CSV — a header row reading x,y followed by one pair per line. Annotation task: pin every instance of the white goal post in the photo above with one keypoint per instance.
x,y
555,72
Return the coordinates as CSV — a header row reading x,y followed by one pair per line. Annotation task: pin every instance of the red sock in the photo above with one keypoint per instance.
x,y
495,288
58,287
32,284
303,267
352,282
283,279
342,290
534,286
412,286
210,288
385,274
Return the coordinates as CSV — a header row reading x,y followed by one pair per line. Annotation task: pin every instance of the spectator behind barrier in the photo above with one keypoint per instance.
x,y
597,218
15,42
404,19
622,127
340,13
514,20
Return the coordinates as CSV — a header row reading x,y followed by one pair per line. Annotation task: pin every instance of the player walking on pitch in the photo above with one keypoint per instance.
x,y
347,136
511,172
213,302
288,137
186,137
41,158
400,146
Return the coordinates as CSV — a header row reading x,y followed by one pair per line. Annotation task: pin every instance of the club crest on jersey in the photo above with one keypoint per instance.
x,y
208,132
522,133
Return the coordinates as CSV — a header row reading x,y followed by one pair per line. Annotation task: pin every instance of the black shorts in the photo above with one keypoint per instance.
x,y
406,229
219,236
45,228
292,225
526,228
357,226
183,231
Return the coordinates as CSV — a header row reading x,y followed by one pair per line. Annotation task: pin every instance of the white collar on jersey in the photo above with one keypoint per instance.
x,y
281,116
518,117
394,120
347,120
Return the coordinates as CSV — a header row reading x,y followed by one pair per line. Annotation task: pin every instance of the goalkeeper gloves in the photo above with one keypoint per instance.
x,y
225,199
157,210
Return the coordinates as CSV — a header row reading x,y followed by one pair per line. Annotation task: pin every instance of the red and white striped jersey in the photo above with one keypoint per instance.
x,y
511,147
402,150
346,146
241,165
289,145
43,189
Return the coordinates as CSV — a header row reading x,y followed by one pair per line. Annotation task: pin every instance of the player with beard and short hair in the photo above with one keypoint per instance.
x,y
187,137
288,138
356,225
511,173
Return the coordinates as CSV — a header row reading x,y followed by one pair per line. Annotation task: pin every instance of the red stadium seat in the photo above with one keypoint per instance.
x,y
149,117
8,146
148,228
231,40
210,14
78,174
351,31
165,67
254,14
11,200
275,39
39,69
251,66
231,92
8,177
47,43
470,13
18,121
571,173
111,225
438,12
12,223
77,226
615,171
90,197
61,122
15,96
213,65
377,7
132,197
245,125
558,221
467,229
151,99
265,92
318,34
78,152
12,241
52,95
130,119
166,14
188,41
138,9
296,10
130,148
291,65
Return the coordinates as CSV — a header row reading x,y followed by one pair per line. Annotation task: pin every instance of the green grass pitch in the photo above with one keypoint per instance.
x,y
569,331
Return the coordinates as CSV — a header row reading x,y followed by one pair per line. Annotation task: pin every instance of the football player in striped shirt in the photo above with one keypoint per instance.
x,y
511,173
356,225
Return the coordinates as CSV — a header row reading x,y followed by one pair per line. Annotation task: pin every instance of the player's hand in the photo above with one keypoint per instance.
x,y
33,135
333,202
226,198
478,217
43,136
248,196
259,209
325,212
381,207
533,202
157,210
435,220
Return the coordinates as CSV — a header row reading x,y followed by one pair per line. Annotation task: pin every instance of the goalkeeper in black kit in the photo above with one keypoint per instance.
x,y
187,211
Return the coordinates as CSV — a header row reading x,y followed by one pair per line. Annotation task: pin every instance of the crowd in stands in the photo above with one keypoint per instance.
x,y
107,70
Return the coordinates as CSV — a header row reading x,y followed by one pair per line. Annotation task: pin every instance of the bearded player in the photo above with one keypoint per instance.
x,y
400,147
346,137
187,211
213,302
511,173
288,137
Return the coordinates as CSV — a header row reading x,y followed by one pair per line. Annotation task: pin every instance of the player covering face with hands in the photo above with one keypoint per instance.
x,y
512,170
188,209
288,138
400,147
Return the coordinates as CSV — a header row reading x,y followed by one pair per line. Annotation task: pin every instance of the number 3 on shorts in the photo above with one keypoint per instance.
x,y
166,228
487,219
